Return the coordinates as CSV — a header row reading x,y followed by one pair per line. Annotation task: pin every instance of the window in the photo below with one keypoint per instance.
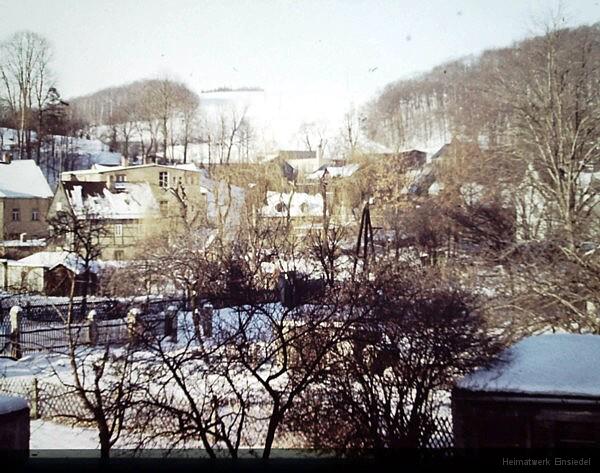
x,y
164,207
119,229
35,216
121,178
119,255
163,179
16,215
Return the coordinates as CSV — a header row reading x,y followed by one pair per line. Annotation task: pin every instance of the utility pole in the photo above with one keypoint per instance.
x,y
365,237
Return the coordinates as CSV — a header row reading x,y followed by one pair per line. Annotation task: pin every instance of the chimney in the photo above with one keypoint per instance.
x,y
22,237
124,161
7,158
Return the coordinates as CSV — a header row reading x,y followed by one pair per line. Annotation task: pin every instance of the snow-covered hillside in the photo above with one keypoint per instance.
x,y
64,153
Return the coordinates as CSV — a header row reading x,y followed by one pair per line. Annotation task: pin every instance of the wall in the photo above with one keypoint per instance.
x,y
34,229
499,420
304,166
21,277
3,274
127,239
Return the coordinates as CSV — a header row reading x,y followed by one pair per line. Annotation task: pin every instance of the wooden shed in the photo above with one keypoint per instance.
x,y
544,392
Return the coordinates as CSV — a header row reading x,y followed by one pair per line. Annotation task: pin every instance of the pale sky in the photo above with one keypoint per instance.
x,y
315,57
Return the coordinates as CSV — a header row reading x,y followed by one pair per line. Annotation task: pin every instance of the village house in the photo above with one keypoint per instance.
x,y
24,201
304,211
303,162
177,188
125,218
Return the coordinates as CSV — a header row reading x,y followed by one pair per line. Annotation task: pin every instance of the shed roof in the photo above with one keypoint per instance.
x,y
552,364
52,259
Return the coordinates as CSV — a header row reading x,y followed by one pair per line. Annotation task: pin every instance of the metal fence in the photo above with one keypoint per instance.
x,y
105,309
35,335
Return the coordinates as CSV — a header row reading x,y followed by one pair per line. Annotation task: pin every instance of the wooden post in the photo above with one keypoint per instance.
x,y
133,325
207,320
15,331
35,400
196,316
92,327
171,323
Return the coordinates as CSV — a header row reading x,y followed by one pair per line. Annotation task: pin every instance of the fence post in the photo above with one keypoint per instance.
x,y
92,327
196,316
35,400
15,331
171,323
207,319
133,325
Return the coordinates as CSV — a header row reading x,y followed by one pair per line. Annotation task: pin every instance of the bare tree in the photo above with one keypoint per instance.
x,y
24,73
386,384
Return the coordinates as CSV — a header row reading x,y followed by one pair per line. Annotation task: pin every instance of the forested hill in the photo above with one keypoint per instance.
x,y
470,97
148,98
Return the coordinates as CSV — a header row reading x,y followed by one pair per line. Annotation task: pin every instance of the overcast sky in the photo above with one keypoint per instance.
x,y
315,57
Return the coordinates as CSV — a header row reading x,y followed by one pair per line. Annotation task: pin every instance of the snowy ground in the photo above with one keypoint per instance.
x,y
50,435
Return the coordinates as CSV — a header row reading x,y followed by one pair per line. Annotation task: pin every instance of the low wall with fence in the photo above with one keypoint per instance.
x,y
30,331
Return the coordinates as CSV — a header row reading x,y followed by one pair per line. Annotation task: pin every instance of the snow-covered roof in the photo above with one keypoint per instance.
x,y
25,243
10,404
99,168
52,259
435,188
299,203
23,178
553,364
334,171
134,201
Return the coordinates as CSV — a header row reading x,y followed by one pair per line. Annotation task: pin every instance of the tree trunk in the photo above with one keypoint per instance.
x,y
273,424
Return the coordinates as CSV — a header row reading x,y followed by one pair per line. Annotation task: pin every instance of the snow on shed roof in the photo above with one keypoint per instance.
x,y
556,364
10,404
23,178
52,259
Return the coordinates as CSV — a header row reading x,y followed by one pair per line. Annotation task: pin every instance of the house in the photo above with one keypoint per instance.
x,y
177,189
543,392
24,200
224,205
305,211
125,218
48,272
303,162
536,214
166,182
